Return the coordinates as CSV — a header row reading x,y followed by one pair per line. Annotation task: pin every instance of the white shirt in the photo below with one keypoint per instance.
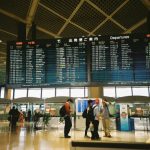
x,y
96,111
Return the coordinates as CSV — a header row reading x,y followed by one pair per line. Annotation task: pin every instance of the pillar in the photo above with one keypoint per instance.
x,y
95,92
7,93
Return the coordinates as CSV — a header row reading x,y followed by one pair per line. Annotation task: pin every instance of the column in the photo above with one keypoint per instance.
x,y
95,92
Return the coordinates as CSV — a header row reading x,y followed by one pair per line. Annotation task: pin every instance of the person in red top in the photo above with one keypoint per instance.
x,y
67,118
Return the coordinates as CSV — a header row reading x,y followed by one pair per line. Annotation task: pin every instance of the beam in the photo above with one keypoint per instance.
x,y
146,3
101,24
121,6
1,30
47,8
23,21
52,11
70,17
136,26
31,14
8,14
79,27
107,16
47,32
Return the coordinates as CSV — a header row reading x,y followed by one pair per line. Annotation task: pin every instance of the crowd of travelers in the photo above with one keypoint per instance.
x,y
92,114
95,112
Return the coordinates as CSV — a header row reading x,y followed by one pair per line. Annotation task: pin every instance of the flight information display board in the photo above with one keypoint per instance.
x,y
84,61
121,59
47,63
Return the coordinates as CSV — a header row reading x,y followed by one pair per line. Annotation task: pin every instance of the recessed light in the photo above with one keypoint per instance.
x,y
0,41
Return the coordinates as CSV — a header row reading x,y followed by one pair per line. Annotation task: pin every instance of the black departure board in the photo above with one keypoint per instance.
x,y
83,61
122,59
47,62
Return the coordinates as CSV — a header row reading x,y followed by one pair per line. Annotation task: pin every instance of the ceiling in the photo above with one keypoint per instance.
x,y
70,18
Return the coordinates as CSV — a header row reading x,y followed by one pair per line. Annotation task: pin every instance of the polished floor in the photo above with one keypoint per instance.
x,y
26,138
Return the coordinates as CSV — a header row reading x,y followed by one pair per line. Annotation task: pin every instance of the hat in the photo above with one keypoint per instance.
x,y
97,101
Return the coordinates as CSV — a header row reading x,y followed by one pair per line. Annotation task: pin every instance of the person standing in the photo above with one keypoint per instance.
x,y
87,119
14,117
67,118
106,118
36,118
96,112
29,115
21,117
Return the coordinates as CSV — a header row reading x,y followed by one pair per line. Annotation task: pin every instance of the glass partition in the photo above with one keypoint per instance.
x,y
2,92
140,91
34,92
20,93
86,92
48,92
77,92
12,92
109,91
123,91
62,92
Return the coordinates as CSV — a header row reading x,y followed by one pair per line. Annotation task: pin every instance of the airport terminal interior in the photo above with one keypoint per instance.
x,y
55,50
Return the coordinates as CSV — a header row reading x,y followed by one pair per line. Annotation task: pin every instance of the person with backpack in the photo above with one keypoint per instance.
x,y
95,122
86,115
106,118
67,118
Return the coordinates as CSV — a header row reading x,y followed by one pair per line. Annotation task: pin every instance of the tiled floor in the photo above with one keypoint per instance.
x,y
25,138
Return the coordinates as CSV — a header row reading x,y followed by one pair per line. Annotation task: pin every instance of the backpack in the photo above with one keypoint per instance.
x,y
90,114
62,111
84,114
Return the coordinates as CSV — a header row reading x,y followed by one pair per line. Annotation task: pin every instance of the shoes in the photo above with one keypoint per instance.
x,y
67,136
98,138
86,136
109,136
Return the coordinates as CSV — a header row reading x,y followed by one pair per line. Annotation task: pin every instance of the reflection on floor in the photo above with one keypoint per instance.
x,y
26,138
